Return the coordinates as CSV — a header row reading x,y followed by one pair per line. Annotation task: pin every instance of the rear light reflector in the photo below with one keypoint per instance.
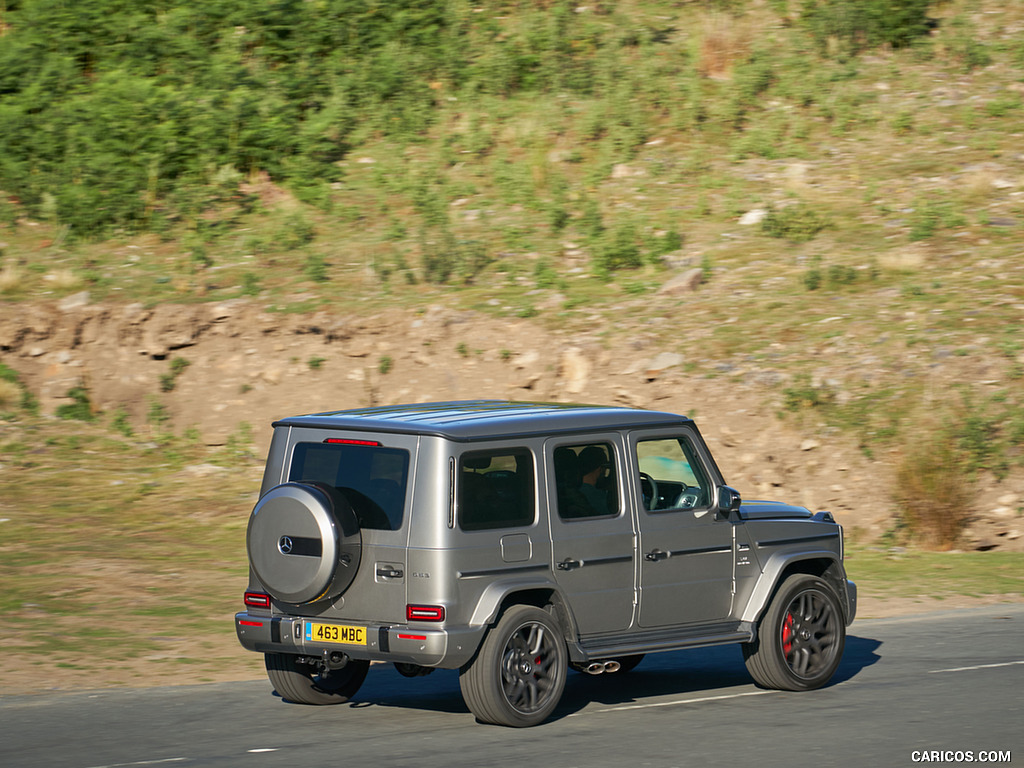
x,y
412,637
245,623
346,441
424,613
257,600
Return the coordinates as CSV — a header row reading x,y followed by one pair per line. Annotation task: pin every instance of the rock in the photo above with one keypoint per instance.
x,y
753,216
575,369
203,470
527,359
624,171
272,375
662,363
684,283
1008,499
809,445
73,302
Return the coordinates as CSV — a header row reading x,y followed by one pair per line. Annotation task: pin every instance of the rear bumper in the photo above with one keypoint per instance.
x,y
448,647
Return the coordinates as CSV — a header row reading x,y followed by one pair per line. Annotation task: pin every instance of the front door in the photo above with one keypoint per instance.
x,y
592,535
686,549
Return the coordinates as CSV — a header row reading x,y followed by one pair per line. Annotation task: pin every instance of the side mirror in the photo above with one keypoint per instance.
x,y
729,501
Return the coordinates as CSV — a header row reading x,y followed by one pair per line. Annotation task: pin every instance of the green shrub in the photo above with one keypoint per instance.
x,y
804,395
619,250
316,268
157,414
797,223
79,409
121,423
931,215
859,24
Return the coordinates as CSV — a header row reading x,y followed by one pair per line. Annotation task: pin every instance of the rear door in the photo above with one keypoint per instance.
x,y
373,472
593,537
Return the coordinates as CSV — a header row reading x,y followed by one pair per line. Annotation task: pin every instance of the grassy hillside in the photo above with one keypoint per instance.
x,y
847,175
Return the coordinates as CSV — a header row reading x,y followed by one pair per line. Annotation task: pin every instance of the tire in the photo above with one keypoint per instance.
x,y
303,683
518,676
800,640
304,542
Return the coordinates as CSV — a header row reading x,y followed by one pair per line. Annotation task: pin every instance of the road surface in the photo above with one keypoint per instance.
x,y
942,683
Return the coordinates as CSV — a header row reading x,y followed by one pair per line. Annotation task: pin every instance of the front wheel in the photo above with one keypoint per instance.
x,y
518,676
800,639
305,684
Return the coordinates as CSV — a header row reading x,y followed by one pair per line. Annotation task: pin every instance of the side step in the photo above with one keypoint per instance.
x,y
662,640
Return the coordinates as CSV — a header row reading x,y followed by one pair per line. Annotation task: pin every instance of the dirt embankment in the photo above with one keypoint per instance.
x,y
246,365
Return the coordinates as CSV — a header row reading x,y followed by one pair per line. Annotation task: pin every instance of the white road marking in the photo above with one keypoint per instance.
x,y
979,666
675,702
263,749
145,762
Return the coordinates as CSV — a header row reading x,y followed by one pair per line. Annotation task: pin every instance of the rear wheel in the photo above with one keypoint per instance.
x,y
306,684
518,676
800,639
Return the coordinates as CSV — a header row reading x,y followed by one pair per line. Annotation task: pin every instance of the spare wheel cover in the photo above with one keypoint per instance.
x,y
303,542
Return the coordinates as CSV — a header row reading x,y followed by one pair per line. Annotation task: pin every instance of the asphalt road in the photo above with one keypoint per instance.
x,y
944,682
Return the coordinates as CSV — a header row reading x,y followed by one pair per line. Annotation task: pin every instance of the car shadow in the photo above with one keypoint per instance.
x,y
705,671
860,652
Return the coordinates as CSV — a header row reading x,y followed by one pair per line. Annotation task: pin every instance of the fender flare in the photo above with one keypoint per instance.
x,y
772,574
496,594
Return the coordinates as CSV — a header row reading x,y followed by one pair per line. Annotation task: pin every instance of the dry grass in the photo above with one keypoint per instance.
x,y
724,41
64,279
933,488
10,278
10,394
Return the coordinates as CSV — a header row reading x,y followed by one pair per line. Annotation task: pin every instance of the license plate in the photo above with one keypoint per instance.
x,y
334,633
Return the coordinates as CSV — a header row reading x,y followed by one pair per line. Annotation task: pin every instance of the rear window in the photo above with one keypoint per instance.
x,y
496,489
372,478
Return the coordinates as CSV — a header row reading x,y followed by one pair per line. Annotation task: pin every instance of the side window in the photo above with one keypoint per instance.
x,y
585,481
671,475
495,489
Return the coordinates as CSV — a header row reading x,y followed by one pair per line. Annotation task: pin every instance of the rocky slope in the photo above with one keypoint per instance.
x,y
248,366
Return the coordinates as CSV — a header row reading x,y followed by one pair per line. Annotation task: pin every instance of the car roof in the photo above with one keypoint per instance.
x,y
470,420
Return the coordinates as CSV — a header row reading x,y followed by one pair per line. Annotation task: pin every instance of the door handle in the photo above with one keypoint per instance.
x,y
568,564
389,573
655,555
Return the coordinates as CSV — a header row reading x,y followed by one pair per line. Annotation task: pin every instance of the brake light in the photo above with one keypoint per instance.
x,y
347,441
424,613
257,600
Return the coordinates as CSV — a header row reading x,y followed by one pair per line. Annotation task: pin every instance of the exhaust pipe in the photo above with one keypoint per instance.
x,y
600,667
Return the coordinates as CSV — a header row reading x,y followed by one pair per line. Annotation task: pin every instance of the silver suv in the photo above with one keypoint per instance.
x,y
514,541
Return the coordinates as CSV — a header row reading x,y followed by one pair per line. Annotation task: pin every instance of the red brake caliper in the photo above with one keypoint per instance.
x,y
787,634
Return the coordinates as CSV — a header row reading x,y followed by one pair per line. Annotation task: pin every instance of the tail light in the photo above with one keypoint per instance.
x,y
424,613
257,600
